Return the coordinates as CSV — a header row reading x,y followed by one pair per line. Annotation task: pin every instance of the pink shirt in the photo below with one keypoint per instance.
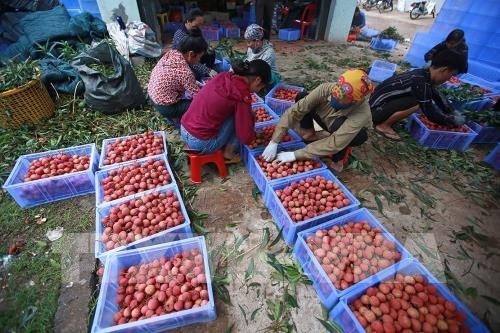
x,y
226,95
170,79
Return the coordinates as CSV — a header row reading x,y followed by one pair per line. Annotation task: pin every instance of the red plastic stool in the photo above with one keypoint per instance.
x,y
198,160
348,152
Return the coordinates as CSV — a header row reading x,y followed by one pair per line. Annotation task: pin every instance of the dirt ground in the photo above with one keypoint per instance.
x,y
429,230
416,194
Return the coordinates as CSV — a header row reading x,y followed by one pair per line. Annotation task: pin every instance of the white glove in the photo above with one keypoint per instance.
x,y
269,153
285,157
212,73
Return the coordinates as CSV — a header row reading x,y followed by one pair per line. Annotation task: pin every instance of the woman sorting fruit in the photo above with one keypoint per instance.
x,y
194,19
172,77
401,95
454,41
340,108
220,116
258,48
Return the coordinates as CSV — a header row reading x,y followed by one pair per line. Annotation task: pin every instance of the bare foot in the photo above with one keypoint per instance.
x,y
387,132
229,152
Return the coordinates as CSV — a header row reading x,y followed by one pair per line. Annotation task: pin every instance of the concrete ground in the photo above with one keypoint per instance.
x,y
406,26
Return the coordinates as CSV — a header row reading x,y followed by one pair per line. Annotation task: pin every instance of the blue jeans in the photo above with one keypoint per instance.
x,y
226,135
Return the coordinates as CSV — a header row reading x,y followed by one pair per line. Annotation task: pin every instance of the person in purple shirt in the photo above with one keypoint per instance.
x,y
194,18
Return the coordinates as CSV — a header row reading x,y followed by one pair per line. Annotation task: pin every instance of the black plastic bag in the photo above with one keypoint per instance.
x,y
113,92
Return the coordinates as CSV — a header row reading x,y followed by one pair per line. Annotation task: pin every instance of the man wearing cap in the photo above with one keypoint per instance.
x,y
340,108
258,48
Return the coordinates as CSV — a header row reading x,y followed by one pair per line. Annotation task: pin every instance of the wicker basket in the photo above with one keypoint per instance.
x,y
25,104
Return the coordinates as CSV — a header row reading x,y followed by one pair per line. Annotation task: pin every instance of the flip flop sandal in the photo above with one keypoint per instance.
x,y
388,135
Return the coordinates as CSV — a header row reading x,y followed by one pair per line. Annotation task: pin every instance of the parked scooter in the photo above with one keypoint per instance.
x,y
383,5
422,8
369,4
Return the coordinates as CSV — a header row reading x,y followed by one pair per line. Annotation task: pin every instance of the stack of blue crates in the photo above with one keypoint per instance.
x,y
75,7
481,22
167,243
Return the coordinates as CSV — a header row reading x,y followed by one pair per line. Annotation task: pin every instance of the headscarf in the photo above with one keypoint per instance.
x,y
353,84
254,32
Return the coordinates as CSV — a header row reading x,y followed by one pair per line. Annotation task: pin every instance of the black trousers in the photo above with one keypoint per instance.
x,y
383,112
264,10
307,123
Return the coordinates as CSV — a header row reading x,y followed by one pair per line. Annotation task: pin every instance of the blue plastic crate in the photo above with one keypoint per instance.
x,y
368,32
452,16
439,139
107,306
279,105
493,87
232,32
246,150
485,134
486,7
106,142
478,105
259,100
473,21
70,4
483,70
382,70
250,15
415,55
89,6
383,44
343,315
289,34
457,5
271,113
224,65
100,175
283,220
493,158
240,22
180,231
43,191
258,176
211,34
325,289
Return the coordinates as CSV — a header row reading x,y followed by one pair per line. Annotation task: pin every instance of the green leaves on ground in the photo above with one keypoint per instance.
x,y
18,73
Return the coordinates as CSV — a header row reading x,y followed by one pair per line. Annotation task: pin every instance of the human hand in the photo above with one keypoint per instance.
x,y
285,157
212,73
457,118
270,152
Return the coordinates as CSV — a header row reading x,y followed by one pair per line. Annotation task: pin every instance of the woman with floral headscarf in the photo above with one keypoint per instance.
x,y
340,108
258,48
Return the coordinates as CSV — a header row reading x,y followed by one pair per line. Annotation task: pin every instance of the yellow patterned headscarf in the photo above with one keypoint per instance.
x,y
353,84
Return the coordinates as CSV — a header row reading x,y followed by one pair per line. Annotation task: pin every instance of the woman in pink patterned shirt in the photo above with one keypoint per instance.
x,y
172,78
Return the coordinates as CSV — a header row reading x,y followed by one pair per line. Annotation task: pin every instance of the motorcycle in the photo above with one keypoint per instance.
x,y
384,5
422,8
369,4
